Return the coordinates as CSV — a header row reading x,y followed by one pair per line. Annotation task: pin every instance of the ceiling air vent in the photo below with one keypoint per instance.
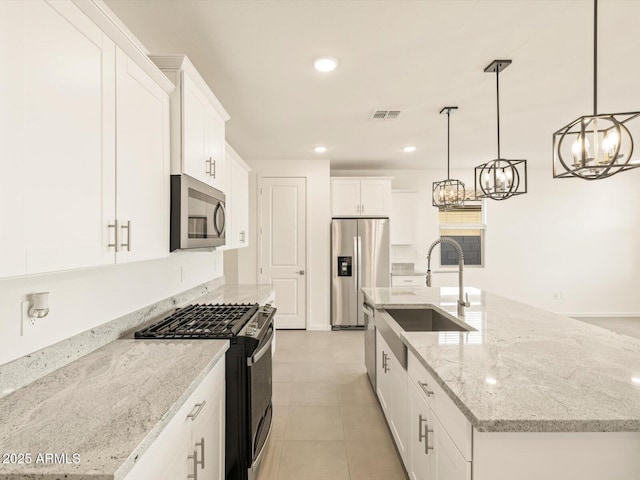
x,y
384,115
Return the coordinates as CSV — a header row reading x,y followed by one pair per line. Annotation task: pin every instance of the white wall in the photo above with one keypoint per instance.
x,y
571,237
318,232
82,299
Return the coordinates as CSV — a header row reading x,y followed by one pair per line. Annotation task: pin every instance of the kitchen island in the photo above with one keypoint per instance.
x,y
548,395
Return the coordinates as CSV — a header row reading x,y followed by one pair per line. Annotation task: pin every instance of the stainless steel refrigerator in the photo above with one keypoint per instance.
x,y
359,258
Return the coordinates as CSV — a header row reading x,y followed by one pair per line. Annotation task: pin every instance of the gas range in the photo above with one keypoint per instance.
x,y
250,331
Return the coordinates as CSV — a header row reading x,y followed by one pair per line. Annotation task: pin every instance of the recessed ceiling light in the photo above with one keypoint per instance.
x,y
325,64
491,381
409,149
636,380
320,149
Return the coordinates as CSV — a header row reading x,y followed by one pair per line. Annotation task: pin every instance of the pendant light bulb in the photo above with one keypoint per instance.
x,y
580,146
448,193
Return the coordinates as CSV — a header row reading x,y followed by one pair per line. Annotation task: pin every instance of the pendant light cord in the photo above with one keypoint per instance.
x,y
595,57
498,104
448,128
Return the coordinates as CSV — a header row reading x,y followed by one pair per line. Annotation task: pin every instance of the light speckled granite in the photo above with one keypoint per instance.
x,y
108,407
29,368
552,373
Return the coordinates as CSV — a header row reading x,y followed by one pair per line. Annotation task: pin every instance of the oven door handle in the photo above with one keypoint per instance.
x,y
260,353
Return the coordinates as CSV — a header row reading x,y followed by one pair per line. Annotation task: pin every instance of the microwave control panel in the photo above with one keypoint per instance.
x,y
344,266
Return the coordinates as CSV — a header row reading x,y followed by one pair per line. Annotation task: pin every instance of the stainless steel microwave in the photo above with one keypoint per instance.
x,y
197,214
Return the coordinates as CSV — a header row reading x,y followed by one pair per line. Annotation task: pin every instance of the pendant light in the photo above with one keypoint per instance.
x,y
594,146
501,178
448,193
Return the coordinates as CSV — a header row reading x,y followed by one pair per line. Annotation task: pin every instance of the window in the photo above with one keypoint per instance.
x,y
466,226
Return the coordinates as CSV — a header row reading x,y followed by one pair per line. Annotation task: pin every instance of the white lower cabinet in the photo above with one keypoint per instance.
x,y
391,381
192,444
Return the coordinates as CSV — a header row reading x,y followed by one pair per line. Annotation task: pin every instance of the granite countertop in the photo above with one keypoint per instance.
x,y
109,405
548,373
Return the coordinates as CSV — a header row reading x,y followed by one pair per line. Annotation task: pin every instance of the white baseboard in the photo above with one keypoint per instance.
x,y
600,314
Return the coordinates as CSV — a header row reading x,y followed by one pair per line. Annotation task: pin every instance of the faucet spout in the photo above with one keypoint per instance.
x,y
462,302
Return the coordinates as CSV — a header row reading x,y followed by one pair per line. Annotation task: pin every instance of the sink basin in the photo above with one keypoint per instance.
x,y
425,320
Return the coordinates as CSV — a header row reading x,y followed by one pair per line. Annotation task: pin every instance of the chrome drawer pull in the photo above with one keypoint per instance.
x,y
426,439
201,445
128,227
196,410
424,387
194,457
421,435
116,226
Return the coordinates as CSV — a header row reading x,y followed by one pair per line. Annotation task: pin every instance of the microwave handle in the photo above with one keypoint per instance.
x,y
220,230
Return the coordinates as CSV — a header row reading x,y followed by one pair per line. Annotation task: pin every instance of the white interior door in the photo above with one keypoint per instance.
x,y
283,239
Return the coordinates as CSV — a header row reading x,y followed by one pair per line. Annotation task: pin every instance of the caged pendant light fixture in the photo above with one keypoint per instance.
x,y
448,193
594,146
501,178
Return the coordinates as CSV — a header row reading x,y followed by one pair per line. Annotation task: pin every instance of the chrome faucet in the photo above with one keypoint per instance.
x,y
461,301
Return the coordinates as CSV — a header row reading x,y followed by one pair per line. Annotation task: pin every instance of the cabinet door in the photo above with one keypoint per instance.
x,y
375,197
383,376
216,162
419,420
12,247
399,406
68,138
195,112
447,461
142,164
208,439
345,197
403,218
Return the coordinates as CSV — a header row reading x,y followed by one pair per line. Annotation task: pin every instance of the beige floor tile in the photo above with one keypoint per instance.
x,y
349,372
286,355
314,423
357,392
374,460
364,422
279,422
314,460
315,355
347,355
281,393
320,394
283,372
271,460
315,372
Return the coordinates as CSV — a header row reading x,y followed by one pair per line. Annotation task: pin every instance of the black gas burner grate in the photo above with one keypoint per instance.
x,y
201,321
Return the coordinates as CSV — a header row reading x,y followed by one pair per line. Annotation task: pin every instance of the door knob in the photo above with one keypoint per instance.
x,y
300,272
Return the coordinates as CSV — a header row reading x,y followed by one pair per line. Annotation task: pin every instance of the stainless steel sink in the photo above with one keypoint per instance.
x,y
425,320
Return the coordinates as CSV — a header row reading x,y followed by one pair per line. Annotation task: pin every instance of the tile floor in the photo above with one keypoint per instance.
x,y
327,424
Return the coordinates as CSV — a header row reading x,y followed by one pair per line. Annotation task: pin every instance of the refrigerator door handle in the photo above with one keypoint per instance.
x,y
356,262
359,263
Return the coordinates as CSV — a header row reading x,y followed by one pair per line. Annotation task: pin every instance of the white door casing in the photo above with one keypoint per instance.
x,y
282,249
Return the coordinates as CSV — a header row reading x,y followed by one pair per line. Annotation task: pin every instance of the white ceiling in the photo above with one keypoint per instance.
x,y
417,56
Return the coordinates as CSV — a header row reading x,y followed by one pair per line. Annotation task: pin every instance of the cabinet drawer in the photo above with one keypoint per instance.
x,y
408,281
452,419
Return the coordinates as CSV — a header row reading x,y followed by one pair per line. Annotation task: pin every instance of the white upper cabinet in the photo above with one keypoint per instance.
x,y
197,124
142,164
58,129
237,201
360,197
403,218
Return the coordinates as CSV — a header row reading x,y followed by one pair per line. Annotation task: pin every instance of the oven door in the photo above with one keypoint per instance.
x,y
260,389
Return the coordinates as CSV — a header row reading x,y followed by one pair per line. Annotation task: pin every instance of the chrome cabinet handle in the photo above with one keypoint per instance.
x,y
201,445
385,362
115,225
208,162
424,387
426,438
128,228
300,272
194,457
358,208
362,208
421,434
196,410
242,237
213,174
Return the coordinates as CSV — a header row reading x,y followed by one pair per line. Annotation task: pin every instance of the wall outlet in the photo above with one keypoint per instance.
x,y
27,324
558,296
